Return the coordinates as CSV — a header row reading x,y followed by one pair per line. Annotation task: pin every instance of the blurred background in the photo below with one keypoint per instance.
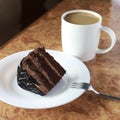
x,y
15,15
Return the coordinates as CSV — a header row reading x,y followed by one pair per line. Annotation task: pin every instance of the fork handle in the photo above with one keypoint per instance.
x,y
104,95
109,96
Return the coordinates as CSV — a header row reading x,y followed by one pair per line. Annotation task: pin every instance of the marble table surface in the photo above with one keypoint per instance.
x,y
104,69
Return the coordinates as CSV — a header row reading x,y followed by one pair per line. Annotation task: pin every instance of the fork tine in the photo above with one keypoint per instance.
x,y
80,85
76,85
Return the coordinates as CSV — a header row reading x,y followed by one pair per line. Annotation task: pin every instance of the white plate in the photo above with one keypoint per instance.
x,y
61,94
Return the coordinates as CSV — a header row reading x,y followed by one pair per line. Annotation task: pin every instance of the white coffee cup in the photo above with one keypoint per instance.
x,y
80,32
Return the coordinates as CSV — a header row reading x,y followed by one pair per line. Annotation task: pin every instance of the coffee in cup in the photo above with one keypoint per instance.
x,y
81,18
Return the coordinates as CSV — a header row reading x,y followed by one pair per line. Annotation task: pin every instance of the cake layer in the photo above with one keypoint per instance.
x,y
60,71
42,71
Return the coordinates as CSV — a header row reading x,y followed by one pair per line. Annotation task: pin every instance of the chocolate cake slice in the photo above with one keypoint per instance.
x,y
39,72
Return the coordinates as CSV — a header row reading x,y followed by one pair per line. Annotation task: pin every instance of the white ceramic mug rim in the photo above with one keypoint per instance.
x,y
86,11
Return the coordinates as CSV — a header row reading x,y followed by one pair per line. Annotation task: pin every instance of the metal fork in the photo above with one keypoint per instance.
x,y
89,87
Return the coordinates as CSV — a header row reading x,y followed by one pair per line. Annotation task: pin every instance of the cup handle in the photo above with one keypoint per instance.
x,y
113,40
